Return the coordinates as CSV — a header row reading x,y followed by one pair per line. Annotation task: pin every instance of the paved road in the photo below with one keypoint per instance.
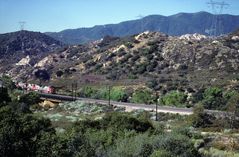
x,y
128,106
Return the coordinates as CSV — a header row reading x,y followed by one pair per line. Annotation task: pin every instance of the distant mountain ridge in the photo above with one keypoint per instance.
x,y
178,24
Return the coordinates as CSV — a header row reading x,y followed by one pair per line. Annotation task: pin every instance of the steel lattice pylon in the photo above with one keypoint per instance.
x,y
217,9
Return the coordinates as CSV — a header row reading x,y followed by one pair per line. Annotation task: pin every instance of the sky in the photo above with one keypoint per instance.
x,y
57,15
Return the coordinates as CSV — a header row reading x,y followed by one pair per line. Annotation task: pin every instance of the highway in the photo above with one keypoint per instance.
x,y
128,106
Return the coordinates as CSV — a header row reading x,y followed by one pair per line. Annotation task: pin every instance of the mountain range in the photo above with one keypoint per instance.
x,y
173,62
189,61
178,24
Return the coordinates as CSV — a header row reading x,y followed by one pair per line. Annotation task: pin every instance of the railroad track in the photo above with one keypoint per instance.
x,y
130,106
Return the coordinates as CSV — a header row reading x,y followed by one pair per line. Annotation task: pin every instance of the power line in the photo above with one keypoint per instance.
x,y
217,9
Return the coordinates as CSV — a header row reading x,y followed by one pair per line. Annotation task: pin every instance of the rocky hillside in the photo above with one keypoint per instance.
x,y
188,62
24,48
179,24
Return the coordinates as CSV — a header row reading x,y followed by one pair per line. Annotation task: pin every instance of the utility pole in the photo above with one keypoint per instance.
x,y
217,9
76,89
156,102
73,90
109,95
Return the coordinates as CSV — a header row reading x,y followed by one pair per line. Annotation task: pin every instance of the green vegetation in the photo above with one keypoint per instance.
x,y
19,134
7,82
174,98
31,98
116,134
35,136
213,98
107,133
42,75
143,96
116,93
200,118
4,97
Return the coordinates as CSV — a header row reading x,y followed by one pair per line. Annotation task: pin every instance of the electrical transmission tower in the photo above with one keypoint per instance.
x,y
217,9
22,24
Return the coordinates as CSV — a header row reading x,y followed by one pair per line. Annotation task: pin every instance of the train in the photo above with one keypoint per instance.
x,y
36,88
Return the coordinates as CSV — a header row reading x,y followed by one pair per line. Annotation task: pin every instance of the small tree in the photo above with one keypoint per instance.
x,y
152,83
213,98
200,118
142,96
118,94
42,75
7,82
30,98
174,98
20,133
59,73
4,97
233,110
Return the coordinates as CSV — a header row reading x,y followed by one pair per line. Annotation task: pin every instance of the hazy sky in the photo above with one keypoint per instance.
x,y
57,15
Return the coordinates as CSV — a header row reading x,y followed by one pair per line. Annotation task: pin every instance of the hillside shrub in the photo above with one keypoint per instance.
x,y
176,144
59,73
118,94
7,82
42,74
122,122
213,98
174,98
142,96
30,98
201,119
88,92
135,146
152,83
4,97
141,68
